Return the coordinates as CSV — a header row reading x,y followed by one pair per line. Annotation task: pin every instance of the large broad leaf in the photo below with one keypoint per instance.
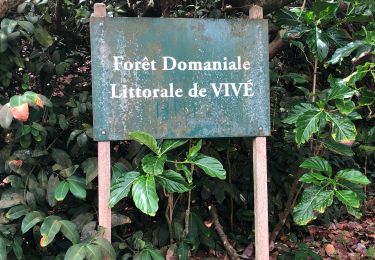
x,y
317,163
121,187
348,198
297,111
61,190
105,247
153,164
308,124
144,194
314,199
77,187
339,89
172,181
210,166
353,176
50,227
171,144
93,252
345,51
317,43
146,139
30,220
70,231
43,36
75,252
338,148
27,26
343,129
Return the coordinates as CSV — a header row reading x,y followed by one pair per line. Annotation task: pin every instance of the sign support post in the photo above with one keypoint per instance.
x,y
104,165
260,180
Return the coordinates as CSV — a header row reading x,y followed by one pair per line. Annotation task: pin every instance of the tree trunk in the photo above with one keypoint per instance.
x,y
6,5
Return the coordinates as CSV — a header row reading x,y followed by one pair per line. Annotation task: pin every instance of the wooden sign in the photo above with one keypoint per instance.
x,y
179,78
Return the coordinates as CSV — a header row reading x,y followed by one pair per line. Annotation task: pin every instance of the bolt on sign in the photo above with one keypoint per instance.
x,y
179,78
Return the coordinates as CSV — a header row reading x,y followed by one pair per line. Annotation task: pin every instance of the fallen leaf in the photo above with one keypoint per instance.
x,y
330,249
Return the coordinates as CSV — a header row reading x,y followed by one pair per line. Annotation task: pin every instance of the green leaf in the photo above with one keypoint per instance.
x,y
345,106
70,230
348,198
308,124
345,51
16,101
193,151
338,148
317,163
30,220
43,36
76,252
27,26
8,25
50,227
61,190
3,249
121,187
3,42
155,254
17,248
105,247
17,212
153,164
61,157
171,144
144,194
297,111
210,166
183,251
314,199
354,212
93,252
353,176
339,89
90,168
317,43
172,181
343,129
146,139
312,177
366,97
76,187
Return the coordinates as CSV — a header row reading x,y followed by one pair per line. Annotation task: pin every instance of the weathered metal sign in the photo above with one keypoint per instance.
x,y
179,78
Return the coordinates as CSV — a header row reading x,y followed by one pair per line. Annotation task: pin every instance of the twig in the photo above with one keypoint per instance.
x,y
233,255
314,80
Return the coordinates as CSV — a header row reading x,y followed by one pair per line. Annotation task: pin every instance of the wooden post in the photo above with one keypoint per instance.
x,y
104,165
260,181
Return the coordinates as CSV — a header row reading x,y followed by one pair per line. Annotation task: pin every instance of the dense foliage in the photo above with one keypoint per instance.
x,y
321,152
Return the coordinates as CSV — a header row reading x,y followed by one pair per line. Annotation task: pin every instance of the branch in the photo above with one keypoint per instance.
x,y
275,46
6,5
219,229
